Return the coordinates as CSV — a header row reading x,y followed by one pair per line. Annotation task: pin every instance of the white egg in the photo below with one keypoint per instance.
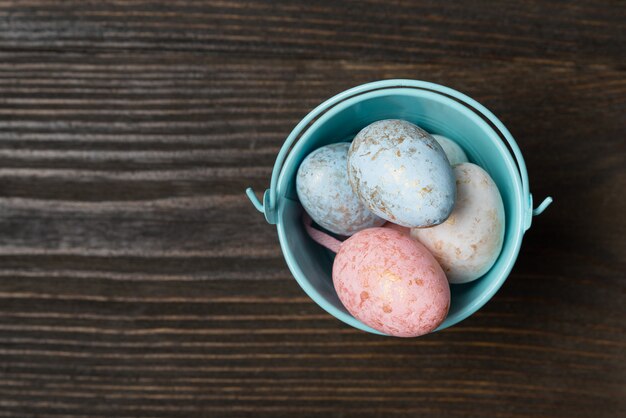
x,y
469,242
453,151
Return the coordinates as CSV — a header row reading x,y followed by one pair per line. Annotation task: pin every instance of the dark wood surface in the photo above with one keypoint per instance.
x,y
137,280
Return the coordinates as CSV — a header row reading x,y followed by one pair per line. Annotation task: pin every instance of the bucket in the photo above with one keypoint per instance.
x,y
437,109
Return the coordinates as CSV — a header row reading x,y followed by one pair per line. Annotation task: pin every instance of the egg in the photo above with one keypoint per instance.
x,y
401,229
390,282
401,173
453,151
325,193
470,241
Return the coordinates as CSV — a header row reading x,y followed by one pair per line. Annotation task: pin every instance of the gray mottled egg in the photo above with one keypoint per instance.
x,y
325,193
401,173
469,242
453,151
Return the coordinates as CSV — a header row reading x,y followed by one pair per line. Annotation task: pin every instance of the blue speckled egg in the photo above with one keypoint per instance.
x,y
453,151
402,174
325,193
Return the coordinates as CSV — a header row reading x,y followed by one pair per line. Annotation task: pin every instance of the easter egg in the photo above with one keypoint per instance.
x,y
391,282
453,151
401,173
401,229
325,193
469,242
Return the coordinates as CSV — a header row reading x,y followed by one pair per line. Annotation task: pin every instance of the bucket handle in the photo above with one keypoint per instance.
x,y
269,205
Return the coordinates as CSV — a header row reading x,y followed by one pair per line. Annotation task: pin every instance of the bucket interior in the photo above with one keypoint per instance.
x,y
311,264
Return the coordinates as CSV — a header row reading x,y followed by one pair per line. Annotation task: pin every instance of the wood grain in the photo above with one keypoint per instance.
x,y
137,280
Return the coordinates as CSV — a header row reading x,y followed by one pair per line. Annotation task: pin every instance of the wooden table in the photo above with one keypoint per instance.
x,y
137,280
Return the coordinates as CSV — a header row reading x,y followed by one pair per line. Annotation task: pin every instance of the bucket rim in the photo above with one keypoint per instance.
x,y
516,232
274,204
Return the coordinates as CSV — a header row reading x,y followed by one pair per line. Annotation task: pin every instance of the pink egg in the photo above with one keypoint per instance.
x,y
391,283
401,229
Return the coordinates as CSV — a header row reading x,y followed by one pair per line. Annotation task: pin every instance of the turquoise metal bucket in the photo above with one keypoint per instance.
x,y
439,110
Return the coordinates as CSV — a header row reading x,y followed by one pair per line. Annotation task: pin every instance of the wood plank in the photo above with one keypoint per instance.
x,y
584,32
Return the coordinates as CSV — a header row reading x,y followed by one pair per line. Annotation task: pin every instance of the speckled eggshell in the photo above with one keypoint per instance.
x,y
469,242
325,193
401,173
453,151
391,282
